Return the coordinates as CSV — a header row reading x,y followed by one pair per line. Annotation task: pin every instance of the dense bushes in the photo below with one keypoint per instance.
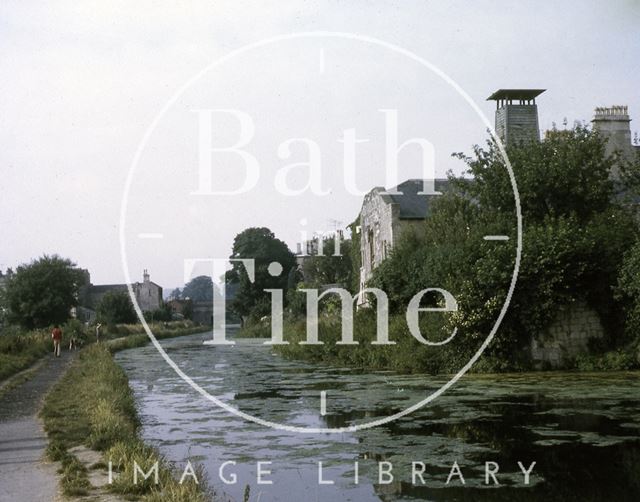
x,y
116,307
576,235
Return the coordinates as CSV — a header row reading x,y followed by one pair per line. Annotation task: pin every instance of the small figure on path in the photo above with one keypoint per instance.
x,y
98,326
56,334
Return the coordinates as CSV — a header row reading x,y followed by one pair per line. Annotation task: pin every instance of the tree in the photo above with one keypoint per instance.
x,y
327,268
261,245
43,292
629,292
164,313
116,307
199,289
176,294
566,174
187,310
575,236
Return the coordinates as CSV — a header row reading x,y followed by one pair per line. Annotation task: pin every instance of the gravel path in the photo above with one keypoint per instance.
x,y
24,474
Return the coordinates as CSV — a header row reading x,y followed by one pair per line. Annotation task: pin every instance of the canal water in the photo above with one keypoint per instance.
x,y
581,430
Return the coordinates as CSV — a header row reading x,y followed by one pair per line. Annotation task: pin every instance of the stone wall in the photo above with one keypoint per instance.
x,y
567,337
148,295
376,231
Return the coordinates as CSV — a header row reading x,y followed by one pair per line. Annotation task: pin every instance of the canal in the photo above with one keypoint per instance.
x,y
581,430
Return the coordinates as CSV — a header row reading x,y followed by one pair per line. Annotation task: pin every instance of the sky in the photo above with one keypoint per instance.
x,y
82,82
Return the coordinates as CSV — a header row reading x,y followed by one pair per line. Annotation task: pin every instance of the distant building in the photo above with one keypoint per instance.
x,y
148,294
306,250
310,248
385,216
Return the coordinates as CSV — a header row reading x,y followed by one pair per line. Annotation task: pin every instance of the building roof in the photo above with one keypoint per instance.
x,y
515,94
412,204
103,288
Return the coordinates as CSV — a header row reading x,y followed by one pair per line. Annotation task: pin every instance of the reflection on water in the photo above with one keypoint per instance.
x,y
583,431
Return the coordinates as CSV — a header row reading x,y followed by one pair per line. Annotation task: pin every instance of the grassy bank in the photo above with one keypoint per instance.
x,y
129,336
93,405
408,355
20,349
259,329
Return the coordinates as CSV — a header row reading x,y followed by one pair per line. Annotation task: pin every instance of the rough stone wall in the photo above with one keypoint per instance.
x,y
148,295
567,337
376,231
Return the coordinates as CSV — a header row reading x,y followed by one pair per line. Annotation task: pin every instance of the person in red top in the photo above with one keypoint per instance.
x,y
56,334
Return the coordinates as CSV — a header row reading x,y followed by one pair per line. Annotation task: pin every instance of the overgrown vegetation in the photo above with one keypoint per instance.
x,y
93,405
121,337
116,307
578,239
19,348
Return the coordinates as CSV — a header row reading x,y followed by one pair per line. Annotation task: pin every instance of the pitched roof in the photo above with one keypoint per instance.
x,y
103,288
412,204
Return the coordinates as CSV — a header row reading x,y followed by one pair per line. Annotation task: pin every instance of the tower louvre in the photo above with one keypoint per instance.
x,y
516,114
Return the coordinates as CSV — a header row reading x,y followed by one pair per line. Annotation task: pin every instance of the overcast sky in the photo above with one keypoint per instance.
x,y
80,83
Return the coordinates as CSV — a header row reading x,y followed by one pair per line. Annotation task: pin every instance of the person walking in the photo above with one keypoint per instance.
x,y
56,334
98,326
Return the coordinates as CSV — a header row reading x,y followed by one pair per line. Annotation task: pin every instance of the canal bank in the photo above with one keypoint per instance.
x,y
92,424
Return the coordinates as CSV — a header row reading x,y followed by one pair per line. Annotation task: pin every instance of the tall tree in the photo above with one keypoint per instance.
x,y
261,245
43,292
199,289
176,294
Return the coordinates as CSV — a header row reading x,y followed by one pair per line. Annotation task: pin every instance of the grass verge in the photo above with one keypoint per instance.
x,y
92,404
135,336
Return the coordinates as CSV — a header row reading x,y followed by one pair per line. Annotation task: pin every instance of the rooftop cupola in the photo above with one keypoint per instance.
x,y
517,114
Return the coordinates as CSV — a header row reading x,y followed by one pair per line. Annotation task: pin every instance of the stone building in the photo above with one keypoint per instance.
x,y
385,216
148,294
614,125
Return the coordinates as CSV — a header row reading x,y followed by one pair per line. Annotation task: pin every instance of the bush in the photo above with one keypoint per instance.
x,y
616,360
116,307
20,349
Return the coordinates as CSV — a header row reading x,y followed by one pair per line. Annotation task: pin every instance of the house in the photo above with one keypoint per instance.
x,y
386,215
148,293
